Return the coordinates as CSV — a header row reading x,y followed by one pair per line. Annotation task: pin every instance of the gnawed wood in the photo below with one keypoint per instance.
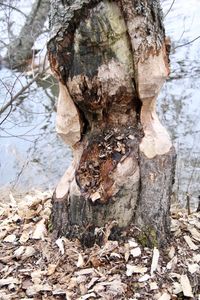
x,y
67,121
111,60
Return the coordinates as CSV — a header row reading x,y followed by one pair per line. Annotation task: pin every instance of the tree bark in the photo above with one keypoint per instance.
x,y
20,50
111,61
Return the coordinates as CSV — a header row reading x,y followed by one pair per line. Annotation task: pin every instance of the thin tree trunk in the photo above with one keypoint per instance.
x,y
20,50
111,62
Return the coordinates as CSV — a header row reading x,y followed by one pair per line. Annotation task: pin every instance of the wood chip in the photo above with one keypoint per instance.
x,y
60,244
190,242
155,259
171,252
186,286
153,286
96,196
80,262
10,238
9,280
193,268
135,269
135,252
165,296
40,231
177,288
144,278
195,233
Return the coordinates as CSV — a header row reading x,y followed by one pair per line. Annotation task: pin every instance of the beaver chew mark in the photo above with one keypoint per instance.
x,y
104,152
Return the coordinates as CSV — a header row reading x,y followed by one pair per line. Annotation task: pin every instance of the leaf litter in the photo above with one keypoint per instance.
x,y
33,265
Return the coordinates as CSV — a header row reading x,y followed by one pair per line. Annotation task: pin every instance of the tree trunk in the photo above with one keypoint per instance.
x,y
111,61
20,50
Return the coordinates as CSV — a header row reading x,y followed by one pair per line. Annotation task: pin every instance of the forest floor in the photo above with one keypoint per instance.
x,y
34,265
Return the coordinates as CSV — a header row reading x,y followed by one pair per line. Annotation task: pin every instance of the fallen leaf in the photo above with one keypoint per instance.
x,y
186,286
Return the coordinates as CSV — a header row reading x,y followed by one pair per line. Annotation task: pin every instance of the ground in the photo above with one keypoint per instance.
x,y
35,265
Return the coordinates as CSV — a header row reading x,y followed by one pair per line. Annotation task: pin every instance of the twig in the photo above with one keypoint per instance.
x,y
4,107
190,42
15,8
169,8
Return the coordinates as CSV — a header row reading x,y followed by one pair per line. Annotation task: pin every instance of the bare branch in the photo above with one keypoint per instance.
x,y
14,8
169,8
23,89
190,42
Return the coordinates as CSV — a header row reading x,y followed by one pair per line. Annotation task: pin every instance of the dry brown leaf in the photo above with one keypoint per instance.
x,y
186,286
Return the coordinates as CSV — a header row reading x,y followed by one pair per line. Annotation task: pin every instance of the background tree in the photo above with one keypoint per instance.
x,y
20,46
110,59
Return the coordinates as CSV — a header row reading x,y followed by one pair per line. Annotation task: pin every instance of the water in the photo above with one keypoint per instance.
x,y
32,155
179,102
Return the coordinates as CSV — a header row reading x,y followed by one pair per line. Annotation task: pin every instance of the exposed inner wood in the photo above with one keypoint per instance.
x,y
111,61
